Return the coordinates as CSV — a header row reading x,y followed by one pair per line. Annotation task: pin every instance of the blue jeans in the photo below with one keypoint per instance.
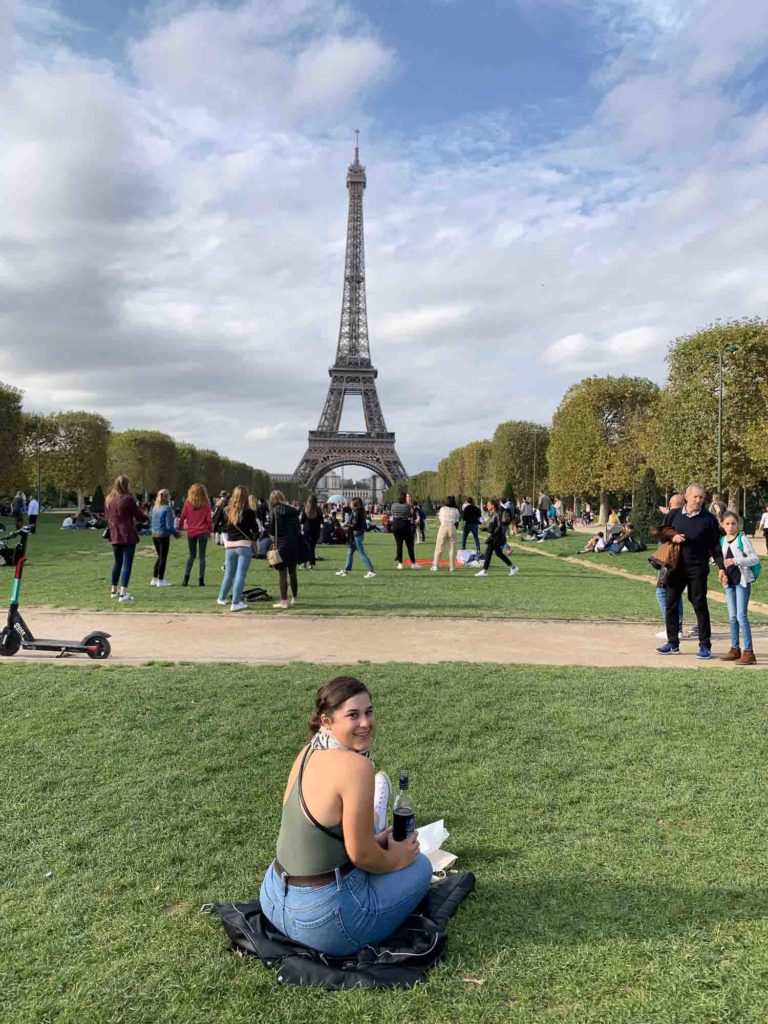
x,y
661,597
348,913
121,570
359,546
236,563
470,528
737,599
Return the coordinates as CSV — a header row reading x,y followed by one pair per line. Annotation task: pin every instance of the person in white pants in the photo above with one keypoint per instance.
x,y
448,516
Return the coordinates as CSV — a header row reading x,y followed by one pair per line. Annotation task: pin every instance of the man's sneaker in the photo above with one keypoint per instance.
x,y
704,653
125,598
668,648
481,573
369,576
221,602
342,572
399,565
281,604
433,568
661,635
514,570
239,607
153,581
382,790
163,583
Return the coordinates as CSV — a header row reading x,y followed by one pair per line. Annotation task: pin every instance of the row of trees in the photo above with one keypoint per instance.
x,y
612,436
77,452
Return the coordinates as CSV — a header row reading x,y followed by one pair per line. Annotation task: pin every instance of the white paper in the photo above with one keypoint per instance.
x,y
431,837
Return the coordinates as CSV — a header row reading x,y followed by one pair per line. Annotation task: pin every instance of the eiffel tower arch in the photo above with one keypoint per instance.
x,y
353,372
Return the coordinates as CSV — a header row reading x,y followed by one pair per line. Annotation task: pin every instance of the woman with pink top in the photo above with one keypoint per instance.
x,y
196,520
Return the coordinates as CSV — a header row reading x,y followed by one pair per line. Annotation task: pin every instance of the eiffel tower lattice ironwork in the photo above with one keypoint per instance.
x,y
352,373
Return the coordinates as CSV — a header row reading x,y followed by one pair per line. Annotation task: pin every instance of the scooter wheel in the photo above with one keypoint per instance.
x,y
102,645
9,642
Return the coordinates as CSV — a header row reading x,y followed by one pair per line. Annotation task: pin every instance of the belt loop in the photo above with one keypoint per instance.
x,y
339,885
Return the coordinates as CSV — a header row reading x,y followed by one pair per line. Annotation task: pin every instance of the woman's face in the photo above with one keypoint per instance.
x,y
353,723
730,526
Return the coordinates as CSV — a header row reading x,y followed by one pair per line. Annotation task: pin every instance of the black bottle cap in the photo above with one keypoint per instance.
x,y
403,780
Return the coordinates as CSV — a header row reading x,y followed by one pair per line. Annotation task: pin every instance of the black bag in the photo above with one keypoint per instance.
x,y
105,534
401,961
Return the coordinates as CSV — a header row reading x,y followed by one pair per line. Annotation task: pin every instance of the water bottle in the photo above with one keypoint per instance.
x,y
403,819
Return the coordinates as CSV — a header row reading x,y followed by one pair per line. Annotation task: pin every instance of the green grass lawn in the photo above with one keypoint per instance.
x,y
615,821
70,569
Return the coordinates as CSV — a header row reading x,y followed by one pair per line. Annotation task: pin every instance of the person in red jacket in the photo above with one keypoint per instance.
x,y
197,521
123,512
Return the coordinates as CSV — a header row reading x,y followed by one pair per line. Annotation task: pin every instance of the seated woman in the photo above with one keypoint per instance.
x,y
335,885
596,543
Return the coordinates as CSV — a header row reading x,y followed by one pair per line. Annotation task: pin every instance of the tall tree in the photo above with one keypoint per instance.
x,y
597,436
684,430
146,457
518,453
11,439
41,440
79,460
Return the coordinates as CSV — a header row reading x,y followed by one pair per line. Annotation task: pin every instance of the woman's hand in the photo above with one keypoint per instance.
x,y
405,852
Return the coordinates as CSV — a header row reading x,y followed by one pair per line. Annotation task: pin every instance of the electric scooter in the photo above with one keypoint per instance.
x,y
17,635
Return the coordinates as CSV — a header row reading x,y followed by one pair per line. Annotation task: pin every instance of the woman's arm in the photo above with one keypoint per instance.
x,y
183,516
356,791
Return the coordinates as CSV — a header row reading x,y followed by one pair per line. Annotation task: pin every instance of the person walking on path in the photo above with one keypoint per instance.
x,y
497,536
402,527
740,561
698,533
196,519
284,527
357,531
163,528
311,520
471,516
33,510
237,522
448,517
123,513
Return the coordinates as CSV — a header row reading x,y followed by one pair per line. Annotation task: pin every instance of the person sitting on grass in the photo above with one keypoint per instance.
x,y
594,544
339,881
624,541
497,538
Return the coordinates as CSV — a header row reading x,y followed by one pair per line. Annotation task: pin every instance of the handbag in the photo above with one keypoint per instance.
x,y
274,558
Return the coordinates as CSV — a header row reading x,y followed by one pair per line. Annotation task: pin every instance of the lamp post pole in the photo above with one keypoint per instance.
x,y
533,483
720,423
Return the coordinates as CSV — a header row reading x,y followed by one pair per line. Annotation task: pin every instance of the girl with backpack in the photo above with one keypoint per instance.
x,y
742,566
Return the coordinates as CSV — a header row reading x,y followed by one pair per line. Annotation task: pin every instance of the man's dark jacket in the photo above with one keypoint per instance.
x,y
702,538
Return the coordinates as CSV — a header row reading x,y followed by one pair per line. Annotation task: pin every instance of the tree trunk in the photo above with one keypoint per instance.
x,y
80,499
603,516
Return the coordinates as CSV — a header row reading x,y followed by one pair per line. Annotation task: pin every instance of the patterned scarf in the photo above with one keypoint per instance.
x,y
325,740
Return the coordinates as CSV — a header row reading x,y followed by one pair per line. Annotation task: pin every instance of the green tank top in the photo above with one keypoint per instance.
x,y
303,848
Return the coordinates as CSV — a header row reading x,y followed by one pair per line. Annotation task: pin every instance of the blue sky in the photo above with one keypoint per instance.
x,y
556,188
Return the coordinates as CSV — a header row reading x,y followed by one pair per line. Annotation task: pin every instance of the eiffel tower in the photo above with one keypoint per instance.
x,y
352,373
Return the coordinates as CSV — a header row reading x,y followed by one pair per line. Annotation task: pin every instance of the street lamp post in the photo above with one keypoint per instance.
x,y
533,483
720,363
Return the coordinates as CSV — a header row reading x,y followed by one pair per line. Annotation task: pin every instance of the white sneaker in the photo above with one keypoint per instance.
x,y
222,603
450,569
281,604
481,573
433,568
164,583
399,565
125,598
369,575
153,581
342,572
294,600
661,635
113,593
382,790
239,607
415,565
514,570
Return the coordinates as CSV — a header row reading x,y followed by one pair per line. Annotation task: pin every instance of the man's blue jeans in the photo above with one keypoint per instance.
x,y
236,564
351,912
737,599
470,528
661,597
359,546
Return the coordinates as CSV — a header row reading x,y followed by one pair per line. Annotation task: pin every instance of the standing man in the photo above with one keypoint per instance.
x,y
542,507
470,515
33,510
402,527
698,533
18,508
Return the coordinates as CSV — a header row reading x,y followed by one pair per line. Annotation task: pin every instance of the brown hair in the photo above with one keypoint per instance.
x,y
121,486
310,509
237,504
277,498
197,496
331,696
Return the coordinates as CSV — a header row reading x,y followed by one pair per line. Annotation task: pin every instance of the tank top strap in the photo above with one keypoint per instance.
x,y
303,802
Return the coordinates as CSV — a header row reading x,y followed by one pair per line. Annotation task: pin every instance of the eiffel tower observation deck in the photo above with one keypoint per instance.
x,y
353,372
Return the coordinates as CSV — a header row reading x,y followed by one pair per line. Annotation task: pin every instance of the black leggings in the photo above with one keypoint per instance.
x,y
162,544
195,544
288,572
495,547
404,535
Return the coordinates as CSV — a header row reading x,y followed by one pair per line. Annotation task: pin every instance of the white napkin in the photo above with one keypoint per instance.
x,y
431,837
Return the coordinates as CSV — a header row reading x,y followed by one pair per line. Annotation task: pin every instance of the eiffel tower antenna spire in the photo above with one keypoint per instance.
x,y
353,372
